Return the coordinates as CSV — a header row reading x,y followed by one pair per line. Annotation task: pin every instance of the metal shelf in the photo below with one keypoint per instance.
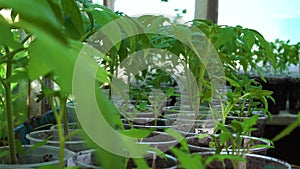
x,y
283,118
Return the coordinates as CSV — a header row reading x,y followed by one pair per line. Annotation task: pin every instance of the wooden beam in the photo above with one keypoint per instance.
x,y
207,9
283,118
105,3
212,12
201,9
109,4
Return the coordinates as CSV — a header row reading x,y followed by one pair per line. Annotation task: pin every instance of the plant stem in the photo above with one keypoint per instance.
x,y
29,100
61,145
9,111
200,86
154,160
63,102
64,133
241,114
58,118
85,36
60,134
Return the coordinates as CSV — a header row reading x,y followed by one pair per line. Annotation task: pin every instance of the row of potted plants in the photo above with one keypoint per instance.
x,y
280,77
285,92
199,57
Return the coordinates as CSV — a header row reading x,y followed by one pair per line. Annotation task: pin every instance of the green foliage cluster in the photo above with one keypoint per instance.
x,y
55,31
286,55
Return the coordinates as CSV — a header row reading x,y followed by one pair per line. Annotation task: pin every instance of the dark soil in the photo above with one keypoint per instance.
x,y
159,163
29,158
252,163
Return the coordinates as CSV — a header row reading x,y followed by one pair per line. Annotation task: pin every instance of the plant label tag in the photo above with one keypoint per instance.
x,y
85,158
70,162
204,130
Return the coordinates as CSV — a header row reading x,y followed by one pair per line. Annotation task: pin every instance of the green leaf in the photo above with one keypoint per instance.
x,y
102,76
91,19
37,67
156,23
78,132
226,35
158,152
261,92
224,137
47,55
111,30
201,136
19,147
237,126
18,75
73,18
178,137
269,50
170,92
4,153
13,15
260,146
141,163
102,17
248,123
129,31
249,38
32,8
187,160
6,37
38,14
88,53
108,159
136,133
109,112
232,82
145,20
183,34
71,31
56,10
